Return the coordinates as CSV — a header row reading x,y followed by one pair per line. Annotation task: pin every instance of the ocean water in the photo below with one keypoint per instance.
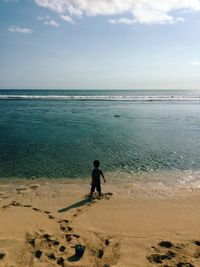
x,y
58,133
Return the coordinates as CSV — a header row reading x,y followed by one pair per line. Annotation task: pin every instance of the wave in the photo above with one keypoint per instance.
x,y
101,98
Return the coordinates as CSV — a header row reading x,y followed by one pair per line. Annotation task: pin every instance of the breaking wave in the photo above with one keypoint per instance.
x,y
101,98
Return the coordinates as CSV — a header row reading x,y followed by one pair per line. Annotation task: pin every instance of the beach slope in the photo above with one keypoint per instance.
x,y
42,223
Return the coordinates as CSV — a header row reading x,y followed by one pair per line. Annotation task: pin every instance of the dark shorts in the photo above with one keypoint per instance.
x,y
96,186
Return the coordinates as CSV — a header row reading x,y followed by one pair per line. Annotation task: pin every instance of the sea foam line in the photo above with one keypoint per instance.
x,y
101,98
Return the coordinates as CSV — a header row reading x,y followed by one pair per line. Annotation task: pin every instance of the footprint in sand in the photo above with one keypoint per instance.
x,y
2,255
17,204
78,211
21,189
38,254
63,225
60,261
51,217
47,248
197,243
93,201
46,211
179,255
51,256
36,209
30,239
34,186
107,242
100,253
27,206
62,248
69,237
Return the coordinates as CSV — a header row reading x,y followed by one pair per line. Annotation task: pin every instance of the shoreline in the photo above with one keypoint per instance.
x,y
166,178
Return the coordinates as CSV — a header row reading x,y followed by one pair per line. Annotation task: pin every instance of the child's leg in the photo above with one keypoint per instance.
x,y
99,189
92,190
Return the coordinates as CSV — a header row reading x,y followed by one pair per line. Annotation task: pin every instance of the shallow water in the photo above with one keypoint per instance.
x,y
60,137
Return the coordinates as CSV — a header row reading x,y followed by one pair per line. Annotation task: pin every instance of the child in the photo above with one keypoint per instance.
x,y
96,181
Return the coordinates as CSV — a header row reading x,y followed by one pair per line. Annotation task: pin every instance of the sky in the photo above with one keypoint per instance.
x,y
100,44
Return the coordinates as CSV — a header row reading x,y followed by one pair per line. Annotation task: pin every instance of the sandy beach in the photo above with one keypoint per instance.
x,y
41,222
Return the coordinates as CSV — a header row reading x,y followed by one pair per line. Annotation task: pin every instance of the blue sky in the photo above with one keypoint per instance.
x,y
115,44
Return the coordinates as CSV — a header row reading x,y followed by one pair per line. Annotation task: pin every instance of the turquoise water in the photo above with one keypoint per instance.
x,y
56,134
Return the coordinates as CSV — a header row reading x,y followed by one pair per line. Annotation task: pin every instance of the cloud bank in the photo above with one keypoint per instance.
x,y
15,28
141,11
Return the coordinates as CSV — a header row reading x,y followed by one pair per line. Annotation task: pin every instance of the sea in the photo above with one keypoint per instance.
x,y
137,134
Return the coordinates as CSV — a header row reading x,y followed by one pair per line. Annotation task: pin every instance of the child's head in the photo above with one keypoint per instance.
x,y
96,163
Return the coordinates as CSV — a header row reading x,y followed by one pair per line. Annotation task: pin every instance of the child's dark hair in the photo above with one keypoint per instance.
x,y
96,163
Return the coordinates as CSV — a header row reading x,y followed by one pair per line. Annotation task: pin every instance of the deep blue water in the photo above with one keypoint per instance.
x,y
126,130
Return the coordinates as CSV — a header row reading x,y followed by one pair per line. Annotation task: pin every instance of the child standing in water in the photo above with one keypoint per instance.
x,y
96,181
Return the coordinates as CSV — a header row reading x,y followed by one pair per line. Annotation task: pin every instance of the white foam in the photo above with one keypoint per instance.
x,y
102,97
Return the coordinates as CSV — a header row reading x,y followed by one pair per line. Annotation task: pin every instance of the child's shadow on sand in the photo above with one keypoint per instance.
x,y
75,205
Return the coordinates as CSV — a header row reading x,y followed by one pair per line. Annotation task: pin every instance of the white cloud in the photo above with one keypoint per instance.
x,y
196,62
15,28
122,21
48,21
43,18
142,11
52,23
67,18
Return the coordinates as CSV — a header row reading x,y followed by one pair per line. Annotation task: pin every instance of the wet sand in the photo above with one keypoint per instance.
x,y
134,224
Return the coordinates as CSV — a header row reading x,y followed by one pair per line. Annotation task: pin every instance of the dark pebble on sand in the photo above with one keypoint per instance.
x,y
165,244
66,221
51,256
62,248
197,243
38,254
2,255
184,264
62,228
69,228
106,265
51,217
61,261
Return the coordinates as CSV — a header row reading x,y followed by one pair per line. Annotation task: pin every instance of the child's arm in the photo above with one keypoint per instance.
x,y
103,177
92,179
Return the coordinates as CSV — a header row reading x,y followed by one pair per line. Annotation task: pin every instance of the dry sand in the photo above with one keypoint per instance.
x,y
42,221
